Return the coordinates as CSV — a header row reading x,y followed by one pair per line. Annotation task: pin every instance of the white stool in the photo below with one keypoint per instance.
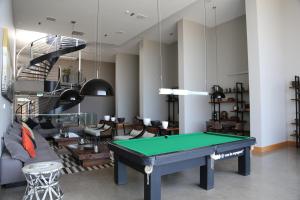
x,y
42,181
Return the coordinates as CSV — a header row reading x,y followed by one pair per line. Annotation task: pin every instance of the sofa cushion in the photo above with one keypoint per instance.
x,y
44,155
41,142
92,131
14,131
16,125
15,148
148,135
28,143
47,125
123,137
10,169
46,133
135,133
26,129
31,123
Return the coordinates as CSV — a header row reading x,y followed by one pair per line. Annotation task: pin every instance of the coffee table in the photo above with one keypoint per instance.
x,y
87,157
60,140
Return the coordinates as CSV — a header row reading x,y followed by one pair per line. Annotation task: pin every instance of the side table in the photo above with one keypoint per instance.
x,y
43,181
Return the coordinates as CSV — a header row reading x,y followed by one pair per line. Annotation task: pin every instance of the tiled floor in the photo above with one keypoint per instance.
x,y
275,176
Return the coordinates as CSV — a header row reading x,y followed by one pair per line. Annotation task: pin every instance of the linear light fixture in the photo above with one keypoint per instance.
x,y
167,91
180,92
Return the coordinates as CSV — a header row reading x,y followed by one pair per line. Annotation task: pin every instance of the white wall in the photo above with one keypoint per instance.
x,y
232,53
152,104
6,21
267,71
193,110
292,59
127,86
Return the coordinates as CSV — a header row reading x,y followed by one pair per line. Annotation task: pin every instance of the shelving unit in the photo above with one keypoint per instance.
x,y
235,125
296,86
173,108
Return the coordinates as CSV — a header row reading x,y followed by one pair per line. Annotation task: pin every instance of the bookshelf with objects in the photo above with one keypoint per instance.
x,y
231,114
295,85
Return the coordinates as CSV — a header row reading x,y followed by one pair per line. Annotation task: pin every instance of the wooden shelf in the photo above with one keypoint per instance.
x,y
293,135
226,101
232,92
231,120
245,111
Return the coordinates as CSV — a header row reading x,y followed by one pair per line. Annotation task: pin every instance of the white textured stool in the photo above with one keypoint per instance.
x,y
42,181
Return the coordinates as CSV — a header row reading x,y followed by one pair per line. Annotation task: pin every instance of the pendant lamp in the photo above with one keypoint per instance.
x,y
97,87
217,90
70,95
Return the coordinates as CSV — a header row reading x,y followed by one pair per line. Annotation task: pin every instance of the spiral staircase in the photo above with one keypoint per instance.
x,y
34,63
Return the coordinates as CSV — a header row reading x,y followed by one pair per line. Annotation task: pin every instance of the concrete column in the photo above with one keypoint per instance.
x,y
127,86
194,111
266,71
152,105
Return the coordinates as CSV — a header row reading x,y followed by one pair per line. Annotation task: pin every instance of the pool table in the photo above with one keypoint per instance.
x,y
158,156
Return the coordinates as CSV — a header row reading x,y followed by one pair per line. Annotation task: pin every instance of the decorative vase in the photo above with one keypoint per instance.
x,y
164,124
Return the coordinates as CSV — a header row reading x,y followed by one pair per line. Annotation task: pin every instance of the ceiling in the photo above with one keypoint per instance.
x,y
124,31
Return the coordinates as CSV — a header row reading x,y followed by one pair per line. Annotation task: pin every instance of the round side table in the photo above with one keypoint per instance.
x,y
43,181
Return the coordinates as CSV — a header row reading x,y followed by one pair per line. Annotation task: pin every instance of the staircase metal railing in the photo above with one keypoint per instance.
x,y
35,60
29,107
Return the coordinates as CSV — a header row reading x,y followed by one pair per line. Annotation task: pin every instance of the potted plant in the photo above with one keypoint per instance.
x,y
66,74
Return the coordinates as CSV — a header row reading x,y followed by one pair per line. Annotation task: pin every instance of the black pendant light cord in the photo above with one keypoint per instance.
x,y
97,87
216,33
97,38
205,45
160,44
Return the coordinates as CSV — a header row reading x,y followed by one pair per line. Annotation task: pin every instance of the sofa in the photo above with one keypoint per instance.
x,y
13,157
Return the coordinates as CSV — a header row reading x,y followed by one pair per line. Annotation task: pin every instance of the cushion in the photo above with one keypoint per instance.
x,y
47,133
17,125
92,131
14,131
105,127
123,137
47,125
14,134
31,123
134,132
28,143
29,132
100,125
15,148
148,135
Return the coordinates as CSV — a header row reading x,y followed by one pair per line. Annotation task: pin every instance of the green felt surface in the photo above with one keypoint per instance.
x,y
181,142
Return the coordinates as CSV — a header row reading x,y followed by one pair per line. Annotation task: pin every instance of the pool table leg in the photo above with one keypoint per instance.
x,y
207,175
120,172
244,162
152,188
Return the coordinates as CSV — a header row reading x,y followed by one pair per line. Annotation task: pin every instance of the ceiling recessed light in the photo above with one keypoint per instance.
x,y
120,32
127,12
141,16
51,19
78,33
